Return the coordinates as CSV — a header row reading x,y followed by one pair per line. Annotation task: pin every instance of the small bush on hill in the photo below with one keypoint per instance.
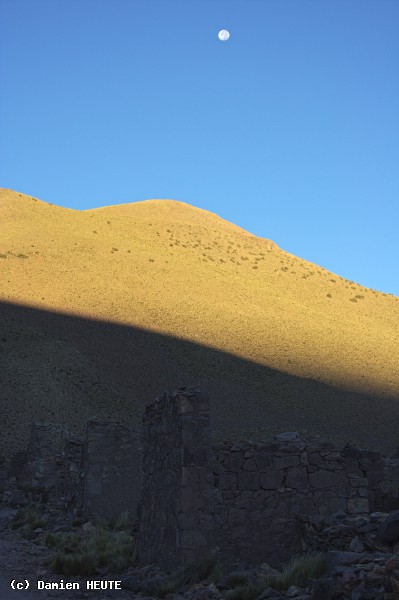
x,y
298,571
83,554
27,517
190,574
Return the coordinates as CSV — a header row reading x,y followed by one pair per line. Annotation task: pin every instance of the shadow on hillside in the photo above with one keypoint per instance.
x,y
67,369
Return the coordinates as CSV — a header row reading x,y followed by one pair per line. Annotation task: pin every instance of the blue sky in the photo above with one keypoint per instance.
x,y
290,129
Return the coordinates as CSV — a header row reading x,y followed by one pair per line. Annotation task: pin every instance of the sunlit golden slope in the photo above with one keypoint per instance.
x,y
168,267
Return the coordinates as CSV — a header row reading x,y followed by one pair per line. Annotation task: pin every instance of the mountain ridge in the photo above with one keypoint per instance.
x,y
168,268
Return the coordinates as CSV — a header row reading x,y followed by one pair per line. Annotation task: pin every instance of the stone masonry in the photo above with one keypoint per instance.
x,y
244,501
252,501
99,475
112,476
175,518
265,492
39,469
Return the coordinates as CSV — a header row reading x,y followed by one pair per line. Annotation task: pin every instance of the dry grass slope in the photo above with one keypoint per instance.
x,y
182,273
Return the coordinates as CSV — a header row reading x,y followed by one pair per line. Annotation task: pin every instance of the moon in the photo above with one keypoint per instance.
x,y
223,35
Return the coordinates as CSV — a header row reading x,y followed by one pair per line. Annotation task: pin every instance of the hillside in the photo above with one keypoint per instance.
x,y
103,309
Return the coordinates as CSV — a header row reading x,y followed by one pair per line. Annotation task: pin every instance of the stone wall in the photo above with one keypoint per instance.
x,y
112,474
387,493
39,471
69,467
175,520
246,501
267,491
99,475
249,501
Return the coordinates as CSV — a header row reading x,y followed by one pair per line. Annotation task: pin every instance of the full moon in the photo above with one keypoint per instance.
x,y
223,35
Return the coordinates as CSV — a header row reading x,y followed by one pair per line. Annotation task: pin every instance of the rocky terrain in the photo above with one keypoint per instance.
x,y
359,560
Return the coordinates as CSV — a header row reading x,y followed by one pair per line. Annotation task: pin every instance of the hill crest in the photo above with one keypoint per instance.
x,y
165,267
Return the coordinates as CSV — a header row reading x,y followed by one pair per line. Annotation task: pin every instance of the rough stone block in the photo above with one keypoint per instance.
x,y
194,476
285,461
258,499
228,481
326,479
238,516
248,480
271,480
250,464
190,499
358,505
235,461
296,478
263,460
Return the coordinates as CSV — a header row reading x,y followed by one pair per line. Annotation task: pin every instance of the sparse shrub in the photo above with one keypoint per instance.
x,y
359,296
243,592
3,255
35,494
50,540
329,295
353,299
82,563
151,260
236,579
123,522
83,555
22,255
188,575
27,517
298,572
300,569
